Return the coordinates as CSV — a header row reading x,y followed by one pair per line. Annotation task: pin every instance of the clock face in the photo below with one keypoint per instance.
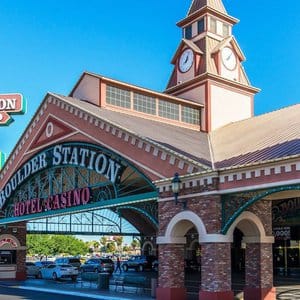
x,y
228,58
186,60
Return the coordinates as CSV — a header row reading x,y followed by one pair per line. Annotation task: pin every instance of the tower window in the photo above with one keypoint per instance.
x,y
188,32
213,25
225,30
201,26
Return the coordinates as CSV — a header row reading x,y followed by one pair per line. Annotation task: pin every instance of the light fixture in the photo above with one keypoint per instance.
x,y
176,188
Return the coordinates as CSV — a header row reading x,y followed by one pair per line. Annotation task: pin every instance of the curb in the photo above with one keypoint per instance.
x,y
72,293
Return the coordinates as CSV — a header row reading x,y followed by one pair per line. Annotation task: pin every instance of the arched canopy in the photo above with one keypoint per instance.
x,y
72,177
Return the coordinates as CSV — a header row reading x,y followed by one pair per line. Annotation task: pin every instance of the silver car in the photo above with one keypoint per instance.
x,y
32,269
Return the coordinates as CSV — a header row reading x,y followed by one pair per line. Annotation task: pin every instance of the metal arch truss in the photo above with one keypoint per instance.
x,y
97,222
234,204
147,209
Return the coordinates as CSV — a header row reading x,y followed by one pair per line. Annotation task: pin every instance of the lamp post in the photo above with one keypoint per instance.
x,y
176,188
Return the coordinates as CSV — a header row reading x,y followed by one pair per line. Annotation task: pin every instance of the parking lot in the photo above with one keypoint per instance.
x,y
285,286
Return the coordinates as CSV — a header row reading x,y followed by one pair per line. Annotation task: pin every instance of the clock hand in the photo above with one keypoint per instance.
x,y
228,57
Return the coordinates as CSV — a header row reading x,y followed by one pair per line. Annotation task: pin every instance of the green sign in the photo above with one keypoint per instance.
x,y
2,159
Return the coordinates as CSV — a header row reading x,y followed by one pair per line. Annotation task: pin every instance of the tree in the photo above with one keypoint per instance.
x,y
45,245
119,241
103,242
111,247
135,244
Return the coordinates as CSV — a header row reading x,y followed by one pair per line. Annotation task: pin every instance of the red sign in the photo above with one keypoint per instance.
x,y
76,197
11,104
8,241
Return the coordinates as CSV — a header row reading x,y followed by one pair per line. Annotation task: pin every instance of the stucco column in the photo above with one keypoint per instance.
x,y
171,272
216,272
259,272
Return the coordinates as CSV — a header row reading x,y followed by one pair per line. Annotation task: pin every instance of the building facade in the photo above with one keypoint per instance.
x,y
109,144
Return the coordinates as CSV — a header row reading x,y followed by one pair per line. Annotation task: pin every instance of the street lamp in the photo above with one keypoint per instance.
x,y
175,189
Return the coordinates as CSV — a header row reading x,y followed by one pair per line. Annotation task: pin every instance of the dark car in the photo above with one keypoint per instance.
x,y
73,261
99,265
138,262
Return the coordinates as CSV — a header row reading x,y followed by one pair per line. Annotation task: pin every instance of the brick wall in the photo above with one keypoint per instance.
x,y
171,266
18,230
216,267
208,208
263,209
259,265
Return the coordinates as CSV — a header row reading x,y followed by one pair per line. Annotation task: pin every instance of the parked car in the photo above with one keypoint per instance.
x,y
73,261
99,265
32,269
56,272
138,262
43,263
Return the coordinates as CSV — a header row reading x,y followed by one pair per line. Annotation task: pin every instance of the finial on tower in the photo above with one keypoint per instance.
x,y
200,4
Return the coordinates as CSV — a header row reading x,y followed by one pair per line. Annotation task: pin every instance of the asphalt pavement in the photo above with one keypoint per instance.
x,y
287,288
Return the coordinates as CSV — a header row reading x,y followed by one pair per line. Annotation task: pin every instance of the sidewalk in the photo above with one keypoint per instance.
x,y
86,289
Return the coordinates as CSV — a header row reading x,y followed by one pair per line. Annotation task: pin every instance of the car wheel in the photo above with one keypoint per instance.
x,y
141,268
125,268
39,275
54,276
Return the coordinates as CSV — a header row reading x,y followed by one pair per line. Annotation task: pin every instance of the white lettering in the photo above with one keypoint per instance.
x,y
100,164
112,171
8,104
57,157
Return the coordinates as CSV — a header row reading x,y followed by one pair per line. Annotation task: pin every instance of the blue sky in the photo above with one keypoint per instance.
x,y
46,45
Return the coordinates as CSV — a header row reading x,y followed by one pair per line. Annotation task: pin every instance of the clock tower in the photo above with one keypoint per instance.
x,y
208,66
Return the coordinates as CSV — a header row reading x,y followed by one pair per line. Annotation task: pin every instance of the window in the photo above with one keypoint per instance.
x,y
190,115
188,32
168,110
144,104
117,97
225,29
213,25
200,26
8,257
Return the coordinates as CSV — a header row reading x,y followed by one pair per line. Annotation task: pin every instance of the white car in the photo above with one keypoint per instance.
x,y
56,272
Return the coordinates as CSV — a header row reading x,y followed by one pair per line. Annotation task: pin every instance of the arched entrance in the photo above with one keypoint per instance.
x,y
172,247
254,218
75,177
257,261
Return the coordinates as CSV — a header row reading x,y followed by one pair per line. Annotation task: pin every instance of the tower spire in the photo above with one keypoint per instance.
x,y
199,4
